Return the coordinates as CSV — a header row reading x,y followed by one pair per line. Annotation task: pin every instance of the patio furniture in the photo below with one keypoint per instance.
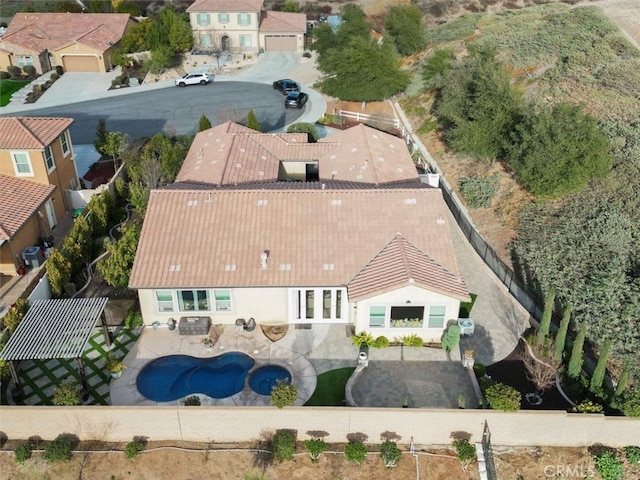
x,y
466,325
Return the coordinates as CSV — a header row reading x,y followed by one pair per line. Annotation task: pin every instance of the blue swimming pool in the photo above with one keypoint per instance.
x,y
176,376
264,378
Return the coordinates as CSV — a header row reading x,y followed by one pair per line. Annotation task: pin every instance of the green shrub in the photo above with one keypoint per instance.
x,y
15,314
66,394
450,338
304,127
629,402
479,191
4,75
22,453
192,401
58,450
587,406
480,370
284,445
465,452
355,452
29,70
390,454
283,394
435,66
38,89
503,397
133,449
14,71
315,447
380,342
412,340
133,319
362,339
453,30
54,76
632,453
609,466
59,70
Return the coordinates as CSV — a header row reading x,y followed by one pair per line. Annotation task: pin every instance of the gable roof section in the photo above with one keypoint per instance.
x,y
51,31
215,238
230,154
207,6
283,22
401,264
20,199
31,132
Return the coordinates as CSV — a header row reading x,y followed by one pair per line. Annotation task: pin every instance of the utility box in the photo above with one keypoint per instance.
x,y
33,256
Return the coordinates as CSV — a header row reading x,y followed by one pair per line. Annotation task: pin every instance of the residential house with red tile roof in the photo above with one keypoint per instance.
x,y
241,26
79,42
270,227
37,150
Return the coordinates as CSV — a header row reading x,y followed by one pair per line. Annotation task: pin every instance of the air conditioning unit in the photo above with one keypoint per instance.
x,y
32,256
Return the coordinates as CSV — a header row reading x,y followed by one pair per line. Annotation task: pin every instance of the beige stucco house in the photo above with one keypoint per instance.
x,y
270,227
79,42
37,151
241,26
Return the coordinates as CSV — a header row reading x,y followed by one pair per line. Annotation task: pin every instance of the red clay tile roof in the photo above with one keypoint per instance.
x,y
209,6
283,22
401,264
52,31
233,155
213,238
31,132
20,199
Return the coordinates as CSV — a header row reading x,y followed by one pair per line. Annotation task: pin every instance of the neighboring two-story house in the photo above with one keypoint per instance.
x,y
33,150
270,227
241,26
79,42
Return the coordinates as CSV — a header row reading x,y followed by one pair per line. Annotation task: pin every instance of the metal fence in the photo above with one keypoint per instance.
x,y
488,453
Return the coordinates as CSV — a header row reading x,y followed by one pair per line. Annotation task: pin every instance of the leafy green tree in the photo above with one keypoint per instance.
x,y
68,6
503,397
291,6
579,151
435,67
100,210
284,445
101,135
113,145
315,447
622,381
137,37
170,31
390,454
405,25
365,71
601,367
630,402
78,246
130,7
575,363
354,24
283,394
59,272
161,58
100,6
324,39
450,338
545,323
561,335
355,452
59,450
116,268
304,127
465,452
16,313
203,123
252,121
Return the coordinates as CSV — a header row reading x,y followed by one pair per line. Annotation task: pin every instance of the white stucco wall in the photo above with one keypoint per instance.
x,y
232,29
398,298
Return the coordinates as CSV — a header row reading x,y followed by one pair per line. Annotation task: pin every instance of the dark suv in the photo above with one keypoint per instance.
x,y
286,86
296,100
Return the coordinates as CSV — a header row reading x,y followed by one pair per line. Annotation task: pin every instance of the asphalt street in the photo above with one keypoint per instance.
x,y
176,110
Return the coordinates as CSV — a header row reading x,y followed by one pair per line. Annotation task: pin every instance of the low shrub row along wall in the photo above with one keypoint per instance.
x,y
242,424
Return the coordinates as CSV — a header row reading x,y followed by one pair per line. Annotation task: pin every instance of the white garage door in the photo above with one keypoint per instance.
x,y
280,43
80,63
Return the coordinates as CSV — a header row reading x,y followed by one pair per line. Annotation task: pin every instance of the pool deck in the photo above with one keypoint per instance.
x,y
289,352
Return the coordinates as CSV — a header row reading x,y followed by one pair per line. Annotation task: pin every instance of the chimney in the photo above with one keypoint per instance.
x,y
263,259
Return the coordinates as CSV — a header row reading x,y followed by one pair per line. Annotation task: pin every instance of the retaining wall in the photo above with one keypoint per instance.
x,y
242,424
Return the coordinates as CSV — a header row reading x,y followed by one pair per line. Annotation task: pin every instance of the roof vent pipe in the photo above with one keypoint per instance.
x,y
263,259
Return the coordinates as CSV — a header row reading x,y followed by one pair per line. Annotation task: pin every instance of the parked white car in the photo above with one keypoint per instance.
x,y
195,78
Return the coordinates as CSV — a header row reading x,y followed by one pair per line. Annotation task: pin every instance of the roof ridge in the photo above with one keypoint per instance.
x,y
28,130
368,147
403,253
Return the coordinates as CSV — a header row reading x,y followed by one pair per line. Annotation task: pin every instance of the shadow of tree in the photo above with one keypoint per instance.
x,y
317,433
460,435
263,457
390,436
357,437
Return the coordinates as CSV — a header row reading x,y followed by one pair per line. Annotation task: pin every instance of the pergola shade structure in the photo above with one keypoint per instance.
x,y
55,329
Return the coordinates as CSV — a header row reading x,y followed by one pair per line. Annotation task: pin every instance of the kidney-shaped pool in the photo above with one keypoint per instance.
x,y
176,376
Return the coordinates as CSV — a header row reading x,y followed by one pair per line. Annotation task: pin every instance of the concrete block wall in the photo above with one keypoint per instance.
x,y
243,424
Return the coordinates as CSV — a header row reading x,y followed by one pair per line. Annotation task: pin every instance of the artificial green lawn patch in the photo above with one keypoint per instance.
x,y
330,388
465,307
8,88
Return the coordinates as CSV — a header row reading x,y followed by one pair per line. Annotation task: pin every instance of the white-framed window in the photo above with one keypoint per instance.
x,y
223,300
22,164
244,19
436,316
24,61
245,40
223,18
164,300
64,142
205,40
203,19
194,300
48,159
377,316
318,304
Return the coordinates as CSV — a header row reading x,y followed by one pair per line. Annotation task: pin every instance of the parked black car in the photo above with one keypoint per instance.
x,y
296,100
286,86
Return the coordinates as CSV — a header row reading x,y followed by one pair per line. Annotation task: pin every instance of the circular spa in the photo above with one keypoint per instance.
x,y
176,376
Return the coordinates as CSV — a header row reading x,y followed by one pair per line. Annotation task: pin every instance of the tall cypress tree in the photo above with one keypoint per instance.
x,y
204,123
601,367
545,323
561,336
575,364
252,121
623,380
